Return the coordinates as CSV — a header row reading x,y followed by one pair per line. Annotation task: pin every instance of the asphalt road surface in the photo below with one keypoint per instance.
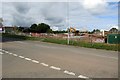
x,y
34,59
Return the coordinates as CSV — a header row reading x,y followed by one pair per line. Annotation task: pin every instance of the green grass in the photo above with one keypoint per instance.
x,y
19,37
72,43
95,45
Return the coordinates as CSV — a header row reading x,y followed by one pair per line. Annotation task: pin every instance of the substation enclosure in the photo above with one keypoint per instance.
x,y
113,38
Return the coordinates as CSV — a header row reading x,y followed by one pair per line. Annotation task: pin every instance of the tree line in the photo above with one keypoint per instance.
x,y
40,28
45,28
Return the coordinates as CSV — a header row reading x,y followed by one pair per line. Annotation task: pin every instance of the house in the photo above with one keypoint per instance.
x,y
9,29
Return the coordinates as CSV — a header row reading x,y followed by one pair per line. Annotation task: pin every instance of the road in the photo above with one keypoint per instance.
x,y
34,59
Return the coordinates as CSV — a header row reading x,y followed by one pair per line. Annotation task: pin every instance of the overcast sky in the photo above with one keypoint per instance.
x,y
85,15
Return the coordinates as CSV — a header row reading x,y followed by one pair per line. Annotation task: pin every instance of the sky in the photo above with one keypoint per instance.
x,y
82,15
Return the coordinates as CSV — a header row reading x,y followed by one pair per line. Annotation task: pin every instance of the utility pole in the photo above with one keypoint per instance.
x,y
67,22
68,41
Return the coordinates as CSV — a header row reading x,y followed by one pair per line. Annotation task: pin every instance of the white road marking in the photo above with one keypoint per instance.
x,y
28,59
35,61
70,73
3,50
21,57
81,76
56,68
10,53
15,55
6,51
0,49
1,53
44,64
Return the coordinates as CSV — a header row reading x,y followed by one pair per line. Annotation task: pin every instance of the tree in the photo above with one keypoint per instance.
x,y
113,30
26,30
95,31
49,31
56,32
42,28
20,29
33,28
77,33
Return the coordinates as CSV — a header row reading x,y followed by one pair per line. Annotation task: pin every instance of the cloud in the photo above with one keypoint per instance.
x,y
22,20
93,4
0,9
55,14
52,0
81,17
95,7
21,7
24,14
16,14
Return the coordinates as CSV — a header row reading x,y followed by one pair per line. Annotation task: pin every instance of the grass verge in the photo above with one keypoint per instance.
x,y
113,47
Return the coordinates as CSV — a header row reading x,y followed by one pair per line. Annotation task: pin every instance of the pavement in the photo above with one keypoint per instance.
x,y
35,59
